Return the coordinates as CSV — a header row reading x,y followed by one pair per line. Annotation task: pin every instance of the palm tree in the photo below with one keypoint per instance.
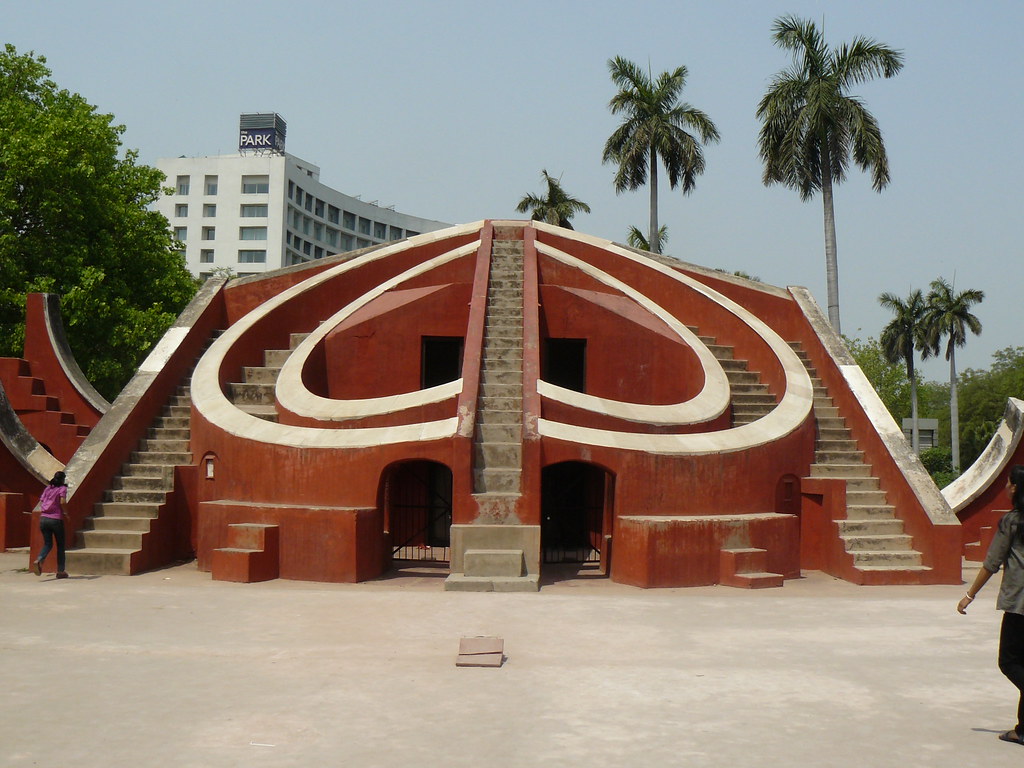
x,y
556,208
812,126
636,239
656,125
949,314
901,338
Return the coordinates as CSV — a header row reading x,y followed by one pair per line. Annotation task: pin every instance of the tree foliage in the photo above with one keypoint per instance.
x,y
555,207
655,125
812,127
902,338
74,221
982,399
635,238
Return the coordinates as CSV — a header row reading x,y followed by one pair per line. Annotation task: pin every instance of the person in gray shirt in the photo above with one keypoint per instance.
x,y
1007,551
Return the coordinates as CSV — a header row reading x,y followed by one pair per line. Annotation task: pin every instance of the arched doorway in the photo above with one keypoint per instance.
x,y
418,511
576,514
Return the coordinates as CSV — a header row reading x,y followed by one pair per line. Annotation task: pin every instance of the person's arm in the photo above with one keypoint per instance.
x,y
64,509
984,574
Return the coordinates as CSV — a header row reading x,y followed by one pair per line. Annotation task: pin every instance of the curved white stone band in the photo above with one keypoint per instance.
x,y
993,460
786,417
213,404
707,404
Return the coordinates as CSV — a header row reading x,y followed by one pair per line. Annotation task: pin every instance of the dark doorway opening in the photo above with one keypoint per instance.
x,y
576,514
565,363
441,358
418,511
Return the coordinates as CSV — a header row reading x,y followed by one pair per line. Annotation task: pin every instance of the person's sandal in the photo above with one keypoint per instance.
x,y
62,574
1012,737
36,569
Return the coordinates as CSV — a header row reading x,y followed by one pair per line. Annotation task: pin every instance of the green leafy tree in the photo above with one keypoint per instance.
x,y
556,207
982,398
637,239
74,220
902,338
949,316
887,377
812,126
655,125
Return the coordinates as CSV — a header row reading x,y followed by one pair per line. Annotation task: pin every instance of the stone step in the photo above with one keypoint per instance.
x,y
160,457
147,470
831,423
111,539
720,351
838,456
890,542
107,561
733,365
849,471
880,526
503,377
872,512
163,446
111,523
862,558
294,339
489,389
825,412
275,358
254,394
861,484
496,455
148,510
496,480
501,404
260,375
142,483
133,496
499,433
836,445
169,433
869,498
172,422
265,412
491,418
737,378
753,398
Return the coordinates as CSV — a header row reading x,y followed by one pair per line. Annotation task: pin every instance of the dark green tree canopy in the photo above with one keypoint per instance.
x,y
556,206
74,220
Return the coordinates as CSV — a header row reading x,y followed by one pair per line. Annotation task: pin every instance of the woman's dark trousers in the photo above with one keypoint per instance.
x,y
54,529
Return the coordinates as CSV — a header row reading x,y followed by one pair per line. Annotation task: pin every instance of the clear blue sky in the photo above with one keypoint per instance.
x,y
449,110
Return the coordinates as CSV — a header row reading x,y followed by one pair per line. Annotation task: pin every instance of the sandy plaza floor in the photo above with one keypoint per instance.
x,y
170,668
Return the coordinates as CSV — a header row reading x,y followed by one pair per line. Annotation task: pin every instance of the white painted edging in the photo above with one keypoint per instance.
x,y
993,460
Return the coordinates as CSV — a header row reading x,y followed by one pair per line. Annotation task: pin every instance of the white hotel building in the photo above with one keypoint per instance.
x,y
263,209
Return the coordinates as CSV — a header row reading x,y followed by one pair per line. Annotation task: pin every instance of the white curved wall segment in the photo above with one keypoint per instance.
x,y
706,405
787,416
993,460
214,405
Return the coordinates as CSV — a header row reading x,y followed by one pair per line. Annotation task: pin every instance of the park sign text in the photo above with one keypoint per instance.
x,y
258,138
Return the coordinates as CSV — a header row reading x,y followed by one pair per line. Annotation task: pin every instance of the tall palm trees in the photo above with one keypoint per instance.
x,y
812,126
905,334
557,207
655,125
949,315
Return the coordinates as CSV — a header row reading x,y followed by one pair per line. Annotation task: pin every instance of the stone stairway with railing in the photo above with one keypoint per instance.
x,y
871,534
119,525
750,397
497,445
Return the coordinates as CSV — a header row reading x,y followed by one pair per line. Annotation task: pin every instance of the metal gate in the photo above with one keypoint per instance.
x,y
572,513
418,511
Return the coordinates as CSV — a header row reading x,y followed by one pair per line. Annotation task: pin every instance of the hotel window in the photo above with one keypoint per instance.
x,y
332,237
309,203
346,242
252,233
209,210
210,185
181,210
291,189
254,211
209,233
297,243
396,233
252,257
182,185
307,248
298,195
206,256
318,252
363,243
255,185
364,225
296,220
349,220
319,207
380,231
318,231
307,225
333,215
181,233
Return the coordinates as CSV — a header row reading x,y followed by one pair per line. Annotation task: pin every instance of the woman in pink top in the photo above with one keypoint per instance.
x,y
51,523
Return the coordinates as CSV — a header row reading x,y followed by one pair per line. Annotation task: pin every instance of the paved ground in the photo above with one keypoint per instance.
x,y
172,669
